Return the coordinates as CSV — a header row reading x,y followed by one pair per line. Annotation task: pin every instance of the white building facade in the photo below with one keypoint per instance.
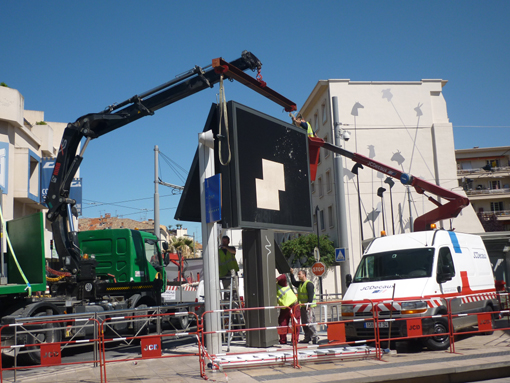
x,y
25,139
404,125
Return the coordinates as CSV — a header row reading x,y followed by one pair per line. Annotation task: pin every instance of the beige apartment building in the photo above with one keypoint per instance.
x,y
25,140
401,124
484,173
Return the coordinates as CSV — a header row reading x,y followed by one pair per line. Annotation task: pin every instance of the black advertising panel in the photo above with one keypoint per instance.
x,y
266,185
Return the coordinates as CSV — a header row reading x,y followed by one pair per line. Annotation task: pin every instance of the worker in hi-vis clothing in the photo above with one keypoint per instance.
x,y
307,301
286,297
300,121
228,266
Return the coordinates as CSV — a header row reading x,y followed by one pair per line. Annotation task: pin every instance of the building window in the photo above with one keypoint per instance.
x,y
314,219
466,165
321,218
326,154
33,176
497,206
330,217
313,186
319,181
324,113
328,181
495,184
316,122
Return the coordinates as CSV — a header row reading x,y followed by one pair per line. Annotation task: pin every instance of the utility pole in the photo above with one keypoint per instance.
x,y
156,195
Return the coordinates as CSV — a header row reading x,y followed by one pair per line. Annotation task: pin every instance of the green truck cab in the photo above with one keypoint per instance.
x,y
124,255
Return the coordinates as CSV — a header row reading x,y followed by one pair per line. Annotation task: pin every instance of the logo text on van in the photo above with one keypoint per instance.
x,y
376,287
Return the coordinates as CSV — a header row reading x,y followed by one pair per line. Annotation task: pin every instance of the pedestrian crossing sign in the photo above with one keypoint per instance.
x,y
340,254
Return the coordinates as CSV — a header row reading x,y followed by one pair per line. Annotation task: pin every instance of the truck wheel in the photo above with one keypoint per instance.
x,y
140,324
182,321
44,333
440,342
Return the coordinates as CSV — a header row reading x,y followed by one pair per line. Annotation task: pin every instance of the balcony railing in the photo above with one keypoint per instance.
x,y
474,192
480,170
499,213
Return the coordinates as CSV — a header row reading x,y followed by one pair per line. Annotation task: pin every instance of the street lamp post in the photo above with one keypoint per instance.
x,y
341,210
390,182
318,248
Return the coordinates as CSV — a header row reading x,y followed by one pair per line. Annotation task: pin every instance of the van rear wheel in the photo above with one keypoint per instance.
x,y
439,342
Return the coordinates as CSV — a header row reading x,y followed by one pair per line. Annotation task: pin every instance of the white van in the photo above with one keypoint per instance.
x,y
423,270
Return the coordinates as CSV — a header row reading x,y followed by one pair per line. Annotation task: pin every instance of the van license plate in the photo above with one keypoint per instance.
x,y
381,324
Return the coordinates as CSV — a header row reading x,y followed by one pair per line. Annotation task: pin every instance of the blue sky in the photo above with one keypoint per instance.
x,y
73,58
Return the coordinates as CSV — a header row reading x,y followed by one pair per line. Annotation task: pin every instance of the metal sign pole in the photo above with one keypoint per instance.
x,y
209,238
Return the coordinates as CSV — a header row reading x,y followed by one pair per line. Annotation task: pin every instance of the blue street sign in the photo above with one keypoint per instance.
x,y
213,198
340,255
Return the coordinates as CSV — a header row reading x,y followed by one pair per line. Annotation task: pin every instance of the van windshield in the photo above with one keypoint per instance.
x,y
397,264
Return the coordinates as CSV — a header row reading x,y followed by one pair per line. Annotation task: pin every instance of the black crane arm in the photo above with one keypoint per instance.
x,y
94,125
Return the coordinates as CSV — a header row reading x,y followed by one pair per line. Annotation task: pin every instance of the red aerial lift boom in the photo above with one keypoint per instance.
x,y
451,209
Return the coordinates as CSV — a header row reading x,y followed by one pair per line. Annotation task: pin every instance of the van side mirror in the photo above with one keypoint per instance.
x,y
165,246
348,280
166,259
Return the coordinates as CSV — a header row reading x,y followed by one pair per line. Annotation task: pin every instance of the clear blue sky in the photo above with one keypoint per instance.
x,y
70,58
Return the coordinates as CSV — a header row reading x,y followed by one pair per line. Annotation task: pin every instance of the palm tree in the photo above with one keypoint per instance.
x,y
182,244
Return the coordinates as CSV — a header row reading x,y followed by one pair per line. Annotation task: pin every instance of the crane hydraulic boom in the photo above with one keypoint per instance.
x,y
451,209
94,125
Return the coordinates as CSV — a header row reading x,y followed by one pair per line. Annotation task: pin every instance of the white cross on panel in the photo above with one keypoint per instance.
x,y
267,188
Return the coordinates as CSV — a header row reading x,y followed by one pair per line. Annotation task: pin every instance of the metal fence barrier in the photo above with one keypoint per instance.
x,y
41,339
42,344
150,344
258,357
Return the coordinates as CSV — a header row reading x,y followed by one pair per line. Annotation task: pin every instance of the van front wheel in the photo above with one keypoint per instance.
x,y
439,342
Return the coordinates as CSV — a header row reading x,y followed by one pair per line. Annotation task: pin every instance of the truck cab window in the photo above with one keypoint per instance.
x,y
151,252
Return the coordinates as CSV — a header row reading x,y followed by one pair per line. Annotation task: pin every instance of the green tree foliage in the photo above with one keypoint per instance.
x,y
182,244
303,247
3,84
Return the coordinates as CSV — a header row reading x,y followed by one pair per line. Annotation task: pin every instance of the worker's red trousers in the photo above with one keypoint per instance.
x,y
284,320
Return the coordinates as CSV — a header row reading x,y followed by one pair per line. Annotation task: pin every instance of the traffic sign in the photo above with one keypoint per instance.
x,y
318,269
316,254
213,198
340,254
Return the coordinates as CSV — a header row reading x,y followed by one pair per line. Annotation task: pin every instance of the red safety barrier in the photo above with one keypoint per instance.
x,y
485,320
150,345
50,352
396,325
266,361
337,335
